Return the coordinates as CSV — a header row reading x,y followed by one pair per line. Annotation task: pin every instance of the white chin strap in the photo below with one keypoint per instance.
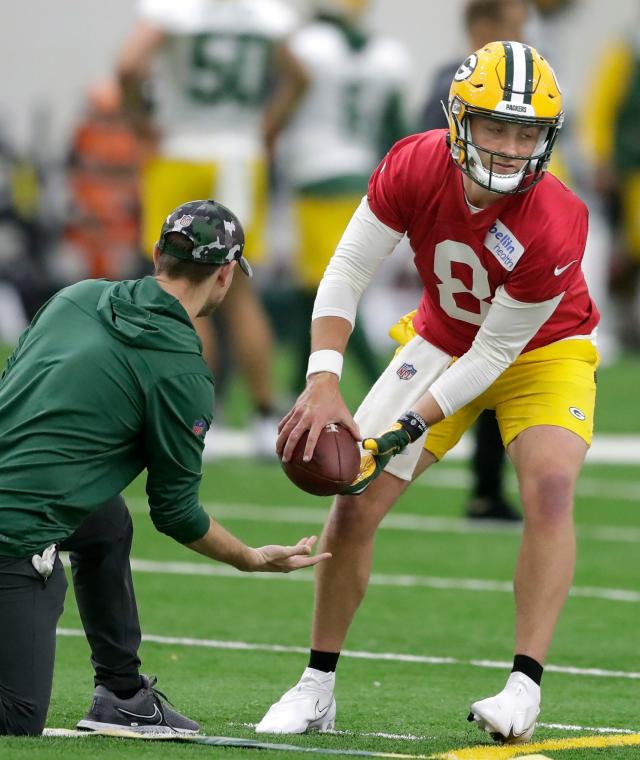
x,y
503,183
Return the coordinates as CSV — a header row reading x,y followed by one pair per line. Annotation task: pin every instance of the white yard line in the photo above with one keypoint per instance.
x,y
315,516
377,579
594,729
588,486
417,738
361,655
606,448
374,734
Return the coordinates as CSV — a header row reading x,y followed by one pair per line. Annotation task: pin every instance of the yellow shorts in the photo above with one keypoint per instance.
x,y
551,385
321,222
167,182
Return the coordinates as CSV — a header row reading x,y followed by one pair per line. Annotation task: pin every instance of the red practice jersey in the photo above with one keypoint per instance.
x,y
532,243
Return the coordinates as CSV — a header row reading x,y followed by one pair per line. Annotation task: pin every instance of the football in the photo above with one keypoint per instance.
x,y
335,462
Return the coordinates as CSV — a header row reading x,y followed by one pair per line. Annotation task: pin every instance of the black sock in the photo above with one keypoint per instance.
x,y
324,661
527,665
128,693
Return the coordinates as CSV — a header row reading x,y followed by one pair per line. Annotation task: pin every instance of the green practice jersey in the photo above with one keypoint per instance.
x,y
107,381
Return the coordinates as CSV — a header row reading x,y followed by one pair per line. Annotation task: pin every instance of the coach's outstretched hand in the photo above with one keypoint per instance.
x,y
217,543
284,559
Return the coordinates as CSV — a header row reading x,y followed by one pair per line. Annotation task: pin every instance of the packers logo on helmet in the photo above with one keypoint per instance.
x,y
466,68
510,82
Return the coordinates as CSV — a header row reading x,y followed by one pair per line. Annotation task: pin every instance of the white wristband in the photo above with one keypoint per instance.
x,y
325,360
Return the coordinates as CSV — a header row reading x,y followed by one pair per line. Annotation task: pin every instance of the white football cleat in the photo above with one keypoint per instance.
x,y
510,716
309,705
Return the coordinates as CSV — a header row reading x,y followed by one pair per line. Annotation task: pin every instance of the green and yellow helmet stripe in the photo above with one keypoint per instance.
x,y
518,86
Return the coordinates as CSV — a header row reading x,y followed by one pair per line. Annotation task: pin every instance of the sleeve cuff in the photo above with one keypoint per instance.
x,y
190,529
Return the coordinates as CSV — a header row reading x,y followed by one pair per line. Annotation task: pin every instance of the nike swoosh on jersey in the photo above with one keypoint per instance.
x,y
559,270
155,717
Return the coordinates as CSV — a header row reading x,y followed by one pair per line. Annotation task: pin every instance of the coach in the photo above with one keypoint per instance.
x,y
106,382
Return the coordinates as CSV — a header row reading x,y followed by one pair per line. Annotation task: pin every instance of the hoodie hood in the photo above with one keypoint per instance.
x,y
140,313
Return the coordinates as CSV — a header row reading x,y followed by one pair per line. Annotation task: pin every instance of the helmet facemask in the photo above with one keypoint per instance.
x,y
466,151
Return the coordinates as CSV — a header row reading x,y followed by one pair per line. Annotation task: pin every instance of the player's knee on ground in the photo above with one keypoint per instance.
x,y
20,716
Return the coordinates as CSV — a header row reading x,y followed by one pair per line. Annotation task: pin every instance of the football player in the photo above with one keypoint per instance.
x,y
206,67
484,20
350,114
505,322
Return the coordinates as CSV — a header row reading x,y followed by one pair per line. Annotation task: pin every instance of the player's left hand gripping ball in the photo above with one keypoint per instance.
x,y
378,451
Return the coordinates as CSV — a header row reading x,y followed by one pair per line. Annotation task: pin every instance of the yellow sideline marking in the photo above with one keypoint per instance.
x,y
504,752
507,751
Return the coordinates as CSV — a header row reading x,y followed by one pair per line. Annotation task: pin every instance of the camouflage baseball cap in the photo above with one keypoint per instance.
x,y
214,230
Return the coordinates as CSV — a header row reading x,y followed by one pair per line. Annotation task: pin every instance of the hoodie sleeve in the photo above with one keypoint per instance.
x,y
179,413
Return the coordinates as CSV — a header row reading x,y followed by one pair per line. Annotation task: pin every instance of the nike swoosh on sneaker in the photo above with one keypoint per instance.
x,y
515,735
155,717
559,270
320,711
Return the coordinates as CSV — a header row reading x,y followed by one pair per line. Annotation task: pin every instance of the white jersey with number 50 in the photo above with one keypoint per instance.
x,y
212,72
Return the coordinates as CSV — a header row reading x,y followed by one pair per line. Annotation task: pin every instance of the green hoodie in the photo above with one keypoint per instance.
x,y
107,381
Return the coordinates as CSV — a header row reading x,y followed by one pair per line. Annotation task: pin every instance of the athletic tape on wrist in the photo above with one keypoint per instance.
x,y
325,360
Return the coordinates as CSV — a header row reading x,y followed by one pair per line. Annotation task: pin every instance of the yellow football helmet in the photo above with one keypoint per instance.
x,y
511,82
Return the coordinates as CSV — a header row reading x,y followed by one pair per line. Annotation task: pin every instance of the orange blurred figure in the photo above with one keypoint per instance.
x,y
104,223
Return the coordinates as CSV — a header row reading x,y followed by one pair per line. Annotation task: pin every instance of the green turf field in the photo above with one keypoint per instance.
x,y
434,633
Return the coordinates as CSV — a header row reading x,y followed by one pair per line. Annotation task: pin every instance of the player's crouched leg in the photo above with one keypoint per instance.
x,y
31,602
19,717
340,586
310,705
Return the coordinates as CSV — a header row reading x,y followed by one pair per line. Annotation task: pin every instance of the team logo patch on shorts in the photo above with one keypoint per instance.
x,y
406,371
578,413
199,427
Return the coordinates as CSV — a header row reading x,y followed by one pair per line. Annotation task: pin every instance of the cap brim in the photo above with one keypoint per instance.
x,y
245,266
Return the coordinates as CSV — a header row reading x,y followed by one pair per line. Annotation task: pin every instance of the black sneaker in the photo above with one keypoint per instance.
x,y
147,712
484,508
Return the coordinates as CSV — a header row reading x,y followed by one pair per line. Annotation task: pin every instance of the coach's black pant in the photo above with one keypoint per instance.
x,y
31,607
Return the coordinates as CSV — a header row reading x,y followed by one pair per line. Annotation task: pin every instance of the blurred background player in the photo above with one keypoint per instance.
x,y
101,236
549,26
29,192
610,135
350,114
484,21
210,65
